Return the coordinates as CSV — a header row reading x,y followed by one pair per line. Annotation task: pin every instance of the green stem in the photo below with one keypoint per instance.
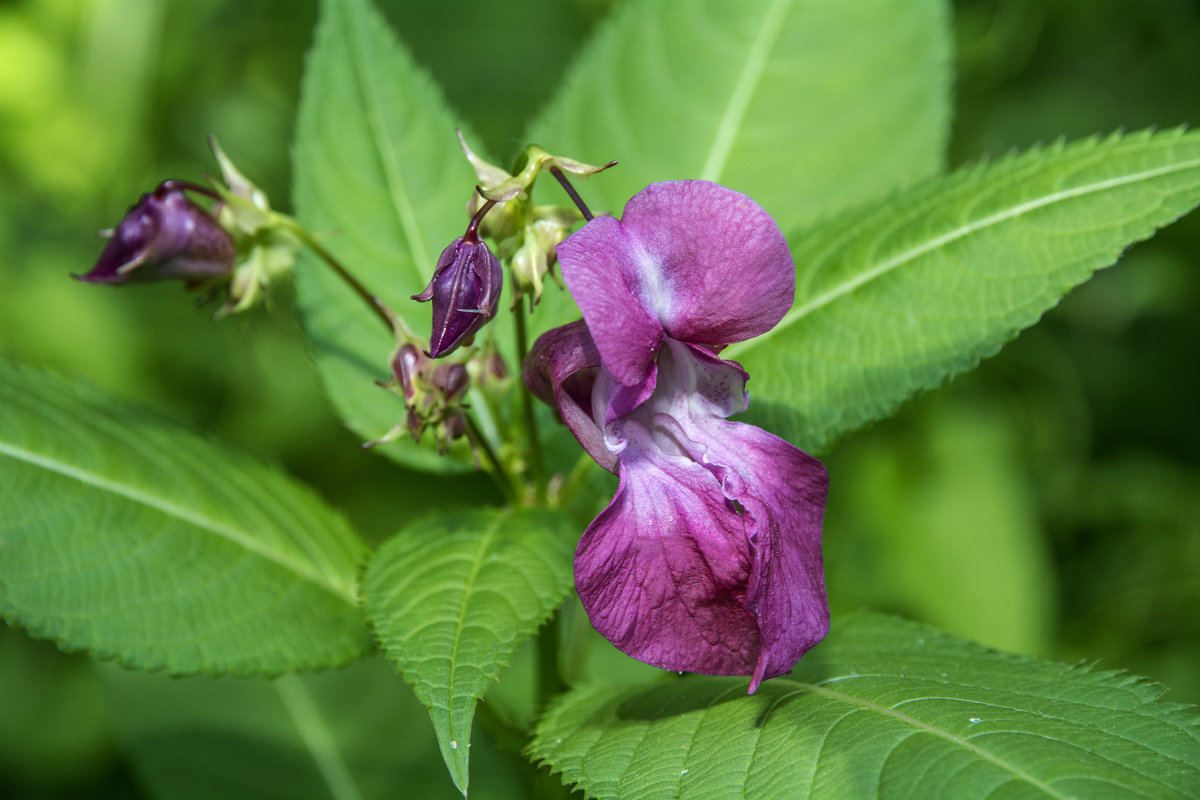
x,y
385,314
550,681
393,321
536,468
507,484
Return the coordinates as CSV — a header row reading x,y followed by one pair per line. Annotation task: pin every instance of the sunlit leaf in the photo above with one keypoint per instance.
x,y
453,595
902,294
807,107
380,177
134,540
886,709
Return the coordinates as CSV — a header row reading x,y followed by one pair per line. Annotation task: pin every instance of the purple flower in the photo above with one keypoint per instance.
x,y
708,559
465,290
165,236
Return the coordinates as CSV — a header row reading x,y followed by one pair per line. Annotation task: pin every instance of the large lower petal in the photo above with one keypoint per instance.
x,y
709,557
663,571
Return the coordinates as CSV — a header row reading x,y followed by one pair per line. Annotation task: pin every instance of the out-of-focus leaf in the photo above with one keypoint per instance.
x,y
350,734
131,539
452,596
883,708
935,518
900,295
381,179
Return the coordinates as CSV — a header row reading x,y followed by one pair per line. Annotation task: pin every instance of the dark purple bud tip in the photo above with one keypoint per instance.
x,y
165,236
465,290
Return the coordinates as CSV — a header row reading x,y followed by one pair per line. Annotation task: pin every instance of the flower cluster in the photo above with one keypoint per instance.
x,y
708,559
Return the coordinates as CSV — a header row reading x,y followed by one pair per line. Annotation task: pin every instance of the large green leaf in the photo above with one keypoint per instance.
x,y
452,596
380,176
134,540
349,734
806,106
898,296
886,709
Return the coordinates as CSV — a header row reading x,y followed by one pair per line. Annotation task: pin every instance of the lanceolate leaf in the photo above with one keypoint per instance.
x,y
898,296
452,596
133,540
381,179
886,709
808,107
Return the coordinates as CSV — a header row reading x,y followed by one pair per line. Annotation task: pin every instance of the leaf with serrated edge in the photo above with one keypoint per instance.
x,y
452,596
882,708
381,180
134,540
898,296
806,107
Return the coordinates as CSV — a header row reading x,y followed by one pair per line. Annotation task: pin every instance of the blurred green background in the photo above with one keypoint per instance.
x,y
1048,502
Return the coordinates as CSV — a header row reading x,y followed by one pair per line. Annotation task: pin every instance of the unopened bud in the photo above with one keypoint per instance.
x,y
164,236
465,290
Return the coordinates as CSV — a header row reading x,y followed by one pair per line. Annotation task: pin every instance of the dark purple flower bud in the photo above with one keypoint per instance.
x,y
165,236
406,366
451,380
465,290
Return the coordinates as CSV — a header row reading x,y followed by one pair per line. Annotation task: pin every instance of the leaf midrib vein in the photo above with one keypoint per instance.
x,y
833,694
887,266
392,173
739,100
460,624
164,506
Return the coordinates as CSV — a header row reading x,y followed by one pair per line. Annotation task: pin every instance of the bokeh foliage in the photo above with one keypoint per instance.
x,y
1078,440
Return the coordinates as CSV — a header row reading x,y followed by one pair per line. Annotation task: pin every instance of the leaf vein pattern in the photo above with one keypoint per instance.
x,y
961,232
392,172
950,737
743,91
166,507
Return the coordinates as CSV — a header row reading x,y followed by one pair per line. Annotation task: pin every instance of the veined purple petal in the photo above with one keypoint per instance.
x,y
700,262
601,266
715,533
561,371
663,571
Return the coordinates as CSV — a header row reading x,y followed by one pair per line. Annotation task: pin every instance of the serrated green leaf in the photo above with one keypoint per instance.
x,y
134,540
452,596
898,296
887,709
349,734
380,177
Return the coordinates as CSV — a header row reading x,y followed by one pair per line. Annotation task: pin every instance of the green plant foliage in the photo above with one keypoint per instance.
x,y
350,734
134,540
882,708
381,178
452,596
935,520
898,296
807,107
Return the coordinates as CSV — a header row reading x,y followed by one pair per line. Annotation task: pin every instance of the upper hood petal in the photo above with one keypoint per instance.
x,y
692,260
